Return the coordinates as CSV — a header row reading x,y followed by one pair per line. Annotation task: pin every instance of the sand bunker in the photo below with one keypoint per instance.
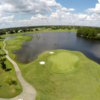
x,y
42,62
51,52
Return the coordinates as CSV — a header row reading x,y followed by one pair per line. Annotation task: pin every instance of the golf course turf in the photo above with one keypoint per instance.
x,y
66,63
80,82
5,89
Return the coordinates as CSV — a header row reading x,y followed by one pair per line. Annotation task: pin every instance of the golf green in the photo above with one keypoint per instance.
x,y
65,75
63,62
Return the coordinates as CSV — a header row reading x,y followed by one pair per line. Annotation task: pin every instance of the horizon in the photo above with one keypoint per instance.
x,y
45,26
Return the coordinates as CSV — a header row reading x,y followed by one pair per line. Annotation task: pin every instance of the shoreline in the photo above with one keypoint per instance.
x,y
21,33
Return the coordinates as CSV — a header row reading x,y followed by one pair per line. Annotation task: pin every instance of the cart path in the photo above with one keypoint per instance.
x,y
28,93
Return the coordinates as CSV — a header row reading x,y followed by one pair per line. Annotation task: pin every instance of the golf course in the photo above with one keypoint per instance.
x,y
6,90
49,50
65,75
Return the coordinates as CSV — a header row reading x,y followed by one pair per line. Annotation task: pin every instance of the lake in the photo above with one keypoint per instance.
x,y
52,41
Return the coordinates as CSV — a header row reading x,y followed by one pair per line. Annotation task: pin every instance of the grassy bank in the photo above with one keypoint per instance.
x,y
6,90
15,43
81,82
61,30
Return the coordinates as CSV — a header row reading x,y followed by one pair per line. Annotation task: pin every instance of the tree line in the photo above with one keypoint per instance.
x,y
86,32
35,28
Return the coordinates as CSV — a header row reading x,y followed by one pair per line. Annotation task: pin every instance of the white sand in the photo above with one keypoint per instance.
x,y
20,99
42,62
51,52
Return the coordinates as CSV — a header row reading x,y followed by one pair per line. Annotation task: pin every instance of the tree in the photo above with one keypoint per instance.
x,y
36,29
0,55
11,31
24,29
16,30
3,65
69,28
2,32
88,32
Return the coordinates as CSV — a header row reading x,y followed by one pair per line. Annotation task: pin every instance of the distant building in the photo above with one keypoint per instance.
x,y
8,32
33,29
20,31
98,34
38,29
49,29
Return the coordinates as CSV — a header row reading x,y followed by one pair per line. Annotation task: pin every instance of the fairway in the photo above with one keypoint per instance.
x,y
63,62
78,77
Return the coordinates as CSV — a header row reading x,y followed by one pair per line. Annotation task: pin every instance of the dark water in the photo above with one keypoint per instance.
x,y
66,40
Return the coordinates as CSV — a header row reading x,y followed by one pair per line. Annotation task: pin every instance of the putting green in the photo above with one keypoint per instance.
x,y
83,83
63,62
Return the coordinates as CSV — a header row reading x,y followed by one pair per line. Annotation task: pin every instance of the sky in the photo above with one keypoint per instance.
x,y
18,13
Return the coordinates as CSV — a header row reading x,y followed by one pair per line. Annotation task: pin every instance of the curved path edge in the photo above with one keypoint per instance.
x,y
28,93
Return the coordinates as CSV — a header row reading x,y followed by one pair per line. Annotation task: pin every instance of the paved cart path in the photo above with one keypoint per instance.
x,y
29,93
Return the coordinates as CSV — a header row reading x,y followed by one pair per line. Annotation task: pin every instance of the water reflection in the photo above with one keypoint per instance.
x,y
59,40
9,37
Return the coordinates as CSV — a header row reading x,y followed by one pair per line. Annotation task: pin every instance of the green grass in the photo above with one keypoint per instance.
x,y
63,62
5,90
82,83
60,30
15,43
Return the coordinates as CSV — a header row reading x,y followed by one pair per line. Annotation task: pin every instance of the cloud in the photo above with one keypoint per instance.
x,y
65,9
58,15
30,6
6,19
94,10
56,18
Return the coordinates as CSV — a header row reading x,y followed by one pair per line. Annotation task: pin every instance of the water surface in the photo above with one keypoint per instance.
x,y
60,40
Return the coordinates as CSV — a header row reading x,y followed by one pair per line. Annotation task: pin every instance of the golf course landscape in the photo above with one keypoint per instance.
x,y
65,75
6,90
59,30
49,50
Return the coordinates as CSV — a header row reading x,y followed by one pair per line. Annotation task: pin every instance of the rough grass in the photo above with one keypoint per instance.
x,y
63,62
60,30
83,83
5,90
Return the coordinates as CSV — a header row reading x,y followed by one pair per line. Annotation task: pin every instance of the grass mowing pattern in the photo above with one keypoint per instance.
x,y
63,62
5,90
83,83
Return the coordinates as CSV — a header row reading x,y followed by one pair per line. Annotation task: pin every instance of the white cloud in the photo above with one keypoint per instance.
x,y
59,15
82,16
30,6
6,19
94,10
65,9
56,18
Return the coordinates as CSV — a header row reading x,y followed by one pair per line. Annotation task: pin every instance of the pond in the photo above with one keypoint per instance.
x,y
52,41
